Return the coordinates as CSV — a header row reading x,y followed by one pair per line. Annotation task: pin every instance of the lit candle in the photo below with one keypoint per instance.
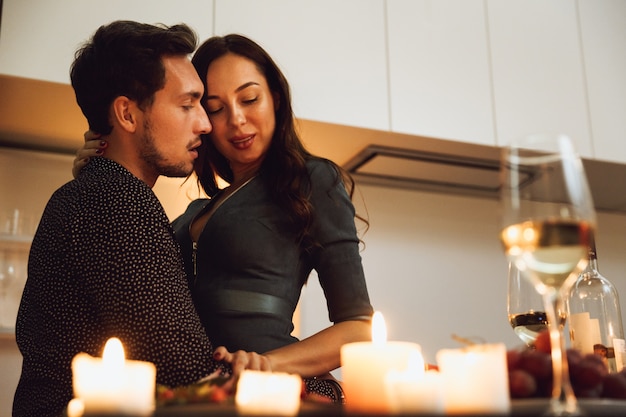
x,y
268,393
113,385
364,366
415,391
475,379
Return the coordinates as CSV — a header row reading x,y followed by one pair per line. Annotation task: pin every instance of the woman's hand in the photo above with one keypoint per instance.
x,y
240,361
93,147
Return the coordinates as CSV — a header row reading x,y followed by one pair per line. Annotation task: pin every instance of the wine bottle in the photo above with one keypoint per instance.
x,y
594,314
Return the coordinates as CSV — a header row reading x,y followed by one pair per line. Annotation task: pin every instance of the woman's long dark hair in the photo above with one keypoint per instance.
x,y
283,168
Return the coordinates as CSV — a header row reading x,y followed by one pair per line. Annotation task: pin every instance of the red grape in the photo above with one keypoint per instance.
x,y
542,343
614,386
587,375
521,384
530,373
513,359
538,364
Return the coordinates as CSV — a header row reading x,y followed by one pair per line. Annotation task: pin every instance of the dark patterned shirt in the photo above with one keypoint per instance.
x,y
104,263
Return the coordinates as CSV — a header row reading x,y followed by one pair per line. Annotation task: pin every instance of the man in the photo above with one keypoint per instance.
x,y
104,262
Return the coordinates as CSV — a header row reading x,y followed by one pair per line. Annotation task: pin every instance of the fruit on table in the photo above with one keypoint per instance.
x,y
530,373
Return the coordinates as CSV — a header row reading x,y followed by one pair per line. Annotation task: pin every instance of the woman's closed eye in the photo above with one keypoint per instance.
x,y
215,110
247,102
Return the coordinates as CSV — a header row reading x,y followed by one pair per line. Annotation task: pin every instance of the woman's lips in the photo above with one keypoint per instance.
x,y
242,142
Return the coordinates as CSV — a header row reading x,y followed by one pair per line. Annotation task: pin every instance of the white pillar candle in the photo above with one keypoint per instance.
x,y
113,385
475,379
268,393
414,392
364,366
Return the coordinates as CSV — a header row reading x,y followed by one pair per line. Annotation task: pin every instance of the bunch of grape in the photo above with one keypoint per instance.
x,y
530,373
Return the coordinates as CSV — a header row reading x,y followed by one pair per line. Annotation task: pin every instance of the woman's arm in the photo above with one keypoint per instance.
x,y
340,272
319,353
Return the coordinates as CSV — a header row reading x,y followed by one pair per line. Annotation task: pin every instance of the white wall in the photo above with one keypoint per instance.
x,y
433,262
52,30
435,267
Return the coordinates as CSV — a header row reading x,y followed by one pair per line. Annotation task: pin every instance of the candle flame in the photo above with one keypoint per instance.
x,y
379,331
113,356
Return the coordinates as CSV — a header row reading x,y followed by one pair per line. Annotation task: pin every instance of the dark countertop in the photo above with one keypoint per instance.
x,y
519,408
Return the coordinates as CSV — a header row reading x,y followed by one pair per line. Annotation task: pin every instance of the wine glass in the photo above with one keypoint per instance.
x,y
525,308
548,219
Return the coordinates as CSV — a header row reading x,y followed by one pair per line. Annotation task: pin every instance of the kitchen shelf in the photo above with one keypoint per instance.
x,y
15,242
7,333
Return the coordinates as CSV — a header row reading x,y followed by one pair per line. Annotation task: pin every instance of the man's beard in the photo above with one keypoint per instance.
x,y
155,159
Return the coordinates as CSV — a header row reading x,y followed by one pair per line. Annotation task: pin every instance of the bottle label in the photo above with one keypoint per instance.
x,y
619,346
584,332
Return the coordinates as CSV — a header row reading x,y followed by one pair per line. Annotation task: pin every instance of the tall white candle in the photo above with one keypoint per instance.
x,y
475,379
113,385
364,366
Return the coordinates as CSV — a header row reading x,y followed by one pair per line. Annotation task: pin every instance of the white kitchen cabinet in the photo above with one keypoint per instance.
x,y
477,71
439,73
38,38
538,76
333,54
603,34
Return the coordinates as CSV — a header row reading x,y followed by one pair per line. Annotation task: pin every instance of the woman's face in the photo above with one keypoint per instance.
x,y
240,106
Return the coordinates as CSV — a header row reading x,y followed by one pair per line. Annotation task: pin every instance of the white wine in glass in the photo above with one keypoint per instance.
x,y
548,219
525,308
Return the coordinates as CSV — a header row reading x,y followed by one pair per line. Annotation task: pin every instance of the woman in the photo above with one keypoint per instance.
x,y
250,247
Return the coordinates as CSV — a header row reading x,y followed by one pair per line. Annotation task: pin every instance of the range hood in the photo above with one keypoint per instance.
x,y
422,163
54,123
426,171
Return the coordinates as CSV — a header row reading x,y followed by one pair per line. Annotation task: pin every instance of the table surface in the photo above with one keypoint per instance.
x,y
230,410
519,408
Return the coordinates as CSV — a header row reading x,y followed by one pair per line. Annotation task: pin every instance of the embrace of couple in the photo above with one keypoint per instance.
x,y
214,291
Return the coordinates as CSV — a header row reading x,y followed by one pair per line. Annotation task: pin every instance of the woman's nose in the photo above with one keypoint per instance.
x,y
237,116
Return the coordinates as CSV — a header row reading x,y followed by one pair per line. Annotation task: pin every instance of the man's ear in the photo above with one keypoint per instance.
x,y
125,113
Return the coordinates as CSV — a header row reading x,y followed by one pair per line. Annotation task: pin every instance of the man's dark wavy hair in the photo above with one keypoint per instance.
x,y
124,58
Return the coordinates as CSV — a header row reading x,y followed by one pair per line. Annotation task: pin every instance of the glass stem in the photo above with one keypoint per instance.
x,y
563,402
